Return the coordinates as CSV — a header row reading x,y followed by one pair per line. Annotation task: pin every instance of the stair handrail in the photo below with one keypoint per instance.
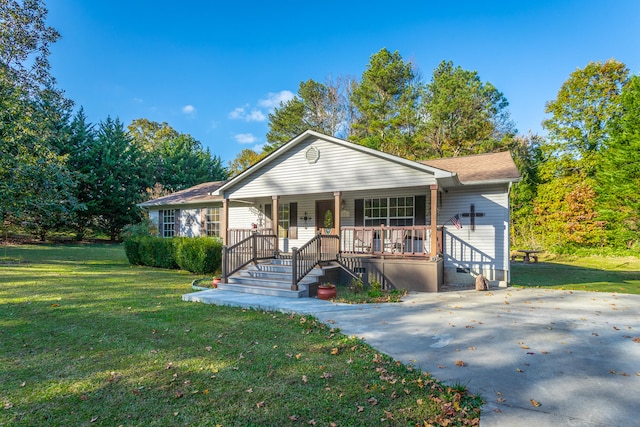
x,y
249,250
305,258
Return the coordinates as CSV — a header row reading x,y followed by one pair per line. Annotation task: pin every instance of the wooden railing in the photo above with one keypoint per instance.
x,y
235,235
381,240
251,249
320,248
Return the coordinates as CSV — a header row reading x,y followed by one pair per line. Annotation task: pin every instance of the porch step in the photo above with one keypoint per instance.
x,y
274,278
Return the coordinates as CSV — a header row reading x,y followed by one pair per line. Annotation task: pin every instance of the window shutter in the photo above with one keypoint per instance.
x,y
293,220
420,211
203,222
161,223
268,218
176,219
359,213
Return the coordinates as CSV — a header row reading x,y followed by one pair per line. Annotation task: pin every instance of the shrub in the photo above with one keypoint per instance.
x,y
200,255
375,287
132,250
151,251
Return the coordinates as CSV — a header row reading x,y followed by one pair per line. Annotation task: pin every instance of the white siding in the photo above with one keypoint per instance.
x,y
486,248
338,168
190,223
242,216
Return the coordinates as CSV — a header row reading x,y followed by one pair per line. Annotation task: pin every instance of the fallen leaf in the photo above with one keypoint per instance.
x,y
501,399
472,348
496,410
360,408
94,419
535,403
208,348
304,379
372,401
441,366
419,401
293,417
260,404
249,390
524,347
179,394
334,351
460,363
8,405
312,422
636,339
519,370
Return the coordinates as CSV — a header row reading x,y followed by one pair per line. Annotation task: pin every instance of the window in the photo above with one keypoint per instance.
x,y
168,223
391,211
283,220
212,222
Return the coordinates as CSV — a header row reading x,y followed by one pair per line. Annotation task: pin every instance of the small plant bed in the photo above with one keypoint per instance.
x,y
358,293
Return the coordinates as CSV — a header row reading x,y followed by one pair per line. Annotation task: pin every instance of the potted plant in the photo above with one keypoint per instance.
x,y
216,281
327,291
328,222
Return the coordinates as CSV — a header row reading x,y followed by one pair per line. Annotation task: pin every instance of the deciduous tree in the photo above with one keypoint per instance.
x,y
587,101
316,106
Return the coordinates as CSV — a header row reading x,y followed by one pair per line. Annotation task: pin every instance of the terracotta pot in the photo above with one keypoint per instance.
x,y
215,282
326,293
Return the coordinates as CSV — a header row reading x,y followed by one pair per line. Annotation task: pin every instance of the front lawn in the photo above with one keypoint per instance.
x,y
584,273
87,339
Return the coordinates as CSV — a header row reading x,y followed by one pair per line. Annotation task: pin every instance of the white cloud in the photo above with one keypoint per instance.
x,y
189,109
237,114
245,138
137,100
274,99
241,113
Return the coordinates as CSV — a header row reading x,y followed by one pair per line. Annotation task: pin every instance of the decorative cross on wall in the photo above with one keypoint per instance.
x,y
472,215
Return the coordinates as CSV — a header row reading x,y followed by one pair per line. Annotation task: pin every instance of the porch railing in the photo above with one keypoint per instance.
x,y
381,240
249,250
235,235
320,248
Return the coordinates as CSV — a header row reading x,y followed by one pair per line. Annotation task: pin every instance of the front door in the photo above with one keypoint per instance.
x,y
325,216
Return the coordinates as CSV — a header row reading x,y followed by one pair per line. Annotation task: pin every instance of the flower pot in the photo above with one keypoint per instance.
x,y
326,293
215,282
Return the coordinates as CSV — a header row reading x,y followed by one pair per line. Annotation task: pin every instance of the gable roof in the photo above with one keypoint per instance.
x,y
193,195
480,168
290,146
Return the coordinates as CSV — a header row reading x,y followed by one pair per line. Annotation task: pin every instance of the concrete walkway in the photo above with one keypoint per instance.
x,y
576,354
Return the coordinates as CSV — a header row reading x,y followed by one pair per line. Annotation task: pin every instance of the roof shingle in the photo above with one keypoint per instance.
x,y
479,167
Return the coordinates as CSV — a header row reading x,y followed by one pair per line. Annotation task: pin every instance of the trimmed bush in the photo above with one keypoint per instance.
x,y
151,251
200,255
132,249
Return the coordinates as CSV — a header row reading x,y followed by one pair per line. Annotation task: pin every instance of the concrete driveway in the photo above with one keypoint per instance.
x,y
538,357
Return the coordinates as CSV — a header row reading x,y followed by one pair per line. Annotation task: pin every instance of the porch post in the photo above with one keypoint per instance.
x,y
224,222
274,221
337,217
434,220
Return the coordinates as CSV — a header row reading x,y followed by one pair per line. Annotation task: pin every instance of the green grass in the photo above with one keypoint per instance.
x,y
585,273
86,339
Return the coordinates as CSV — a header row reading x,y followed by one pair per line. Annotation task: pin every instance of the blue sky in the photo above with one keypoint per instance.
x,y
216,69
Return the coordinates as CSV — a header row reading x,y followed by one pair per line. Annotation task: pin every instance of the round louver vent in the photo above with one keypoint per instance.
x,y
312,155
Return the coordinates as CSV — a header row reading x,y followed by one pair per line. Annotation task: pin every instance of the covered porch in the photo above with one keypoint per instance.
x,y
391,236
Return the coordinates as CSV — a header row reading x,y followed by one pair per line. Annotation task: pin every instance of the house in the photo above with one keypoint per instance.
x,y
413,225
